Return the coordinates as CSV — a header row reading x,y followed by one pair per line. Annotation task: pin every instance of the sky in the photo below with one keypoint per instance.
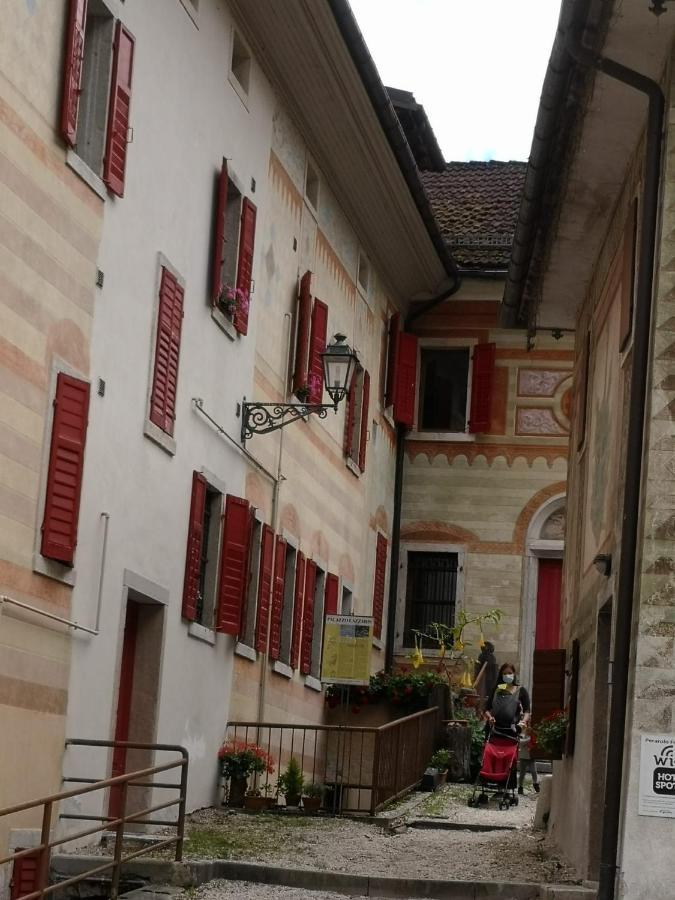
x,y
477,66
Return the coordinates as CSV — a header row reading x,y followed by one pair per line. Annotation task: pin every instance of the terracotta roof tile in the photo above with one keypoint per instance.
x,y
476,205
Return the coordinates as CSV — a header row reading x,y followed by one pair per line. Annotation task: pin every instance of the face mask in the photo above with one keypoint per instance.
x,y
508,678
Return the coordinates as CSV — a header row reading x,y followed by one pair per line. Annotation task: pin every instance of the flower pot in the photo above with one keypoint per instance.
x,y
292,799
442,778
311,804
257,803
470,700
237,793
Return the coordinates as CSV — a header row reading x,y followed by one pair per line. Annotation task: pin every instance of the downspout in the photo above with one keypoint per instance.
x,y
634,453
398,489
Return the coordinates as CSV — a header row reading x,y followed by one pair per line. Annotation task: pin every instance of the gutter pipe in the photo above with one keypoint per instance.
x,y
634,453
391,126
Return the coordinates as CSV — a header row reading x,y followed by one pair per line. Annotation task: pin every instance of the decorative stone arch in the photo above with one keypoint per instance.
x,y
545,539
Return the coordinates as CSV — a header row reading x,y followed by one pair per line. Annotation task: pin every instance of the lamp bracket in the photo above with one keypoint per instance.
x,y
658,7
261,418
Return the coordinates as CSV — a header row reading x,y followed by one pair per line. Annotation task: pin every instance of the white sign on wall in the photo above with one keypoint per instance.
x,y
657,776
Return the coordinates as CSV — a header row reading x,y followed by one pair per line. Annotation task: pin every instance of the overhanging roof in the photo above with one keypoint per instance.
x,y
301,48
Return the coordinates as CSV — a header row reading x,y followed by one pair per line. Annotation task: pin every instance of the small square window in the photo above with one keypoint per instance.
x,y
208,568
364,274
240,65
444,378
312,186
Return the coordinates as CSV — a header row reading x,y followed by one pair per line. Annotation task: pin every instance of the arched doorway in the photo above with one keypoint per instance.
x,y
542,584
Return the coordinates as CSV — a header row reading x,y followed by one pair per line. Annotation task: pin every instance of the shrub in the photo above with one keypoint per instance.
x,y
239,760
291,781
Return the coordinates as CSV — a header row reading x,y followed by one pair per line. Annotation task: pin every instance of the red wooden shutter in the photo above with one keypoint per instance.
x,y
245,264
298,603
66,462
302,340
24,875
392,358
308,619
330,606
72,74
365,399
115,160
405,388
317,345
167,352
264,588
219,235
350,416
234,565
482,379
193,555
378,591
278,597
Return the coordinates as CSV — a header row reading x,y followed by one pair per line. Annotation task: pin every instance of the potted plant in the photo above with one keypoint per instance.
x,y
255,799
232,299
291,782
436,773
238,760
312,797
549,736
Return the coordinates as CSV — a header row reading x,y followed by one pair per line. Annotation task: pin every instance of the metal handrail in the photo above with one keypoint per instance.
x,y
123,782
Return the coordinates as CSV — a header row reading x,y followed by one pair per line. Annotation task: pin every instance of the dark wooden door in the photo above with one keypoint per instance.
x,y
124,697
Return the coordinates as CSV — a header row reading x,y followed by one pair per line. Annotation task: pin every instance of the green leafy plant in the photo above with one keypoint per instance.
x,y
313,790
404,688
477,727
441,760
291,781
550,733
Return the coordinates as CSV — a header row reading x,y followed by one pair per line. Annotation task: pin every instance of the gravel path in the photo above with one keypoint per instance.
x,y
223,890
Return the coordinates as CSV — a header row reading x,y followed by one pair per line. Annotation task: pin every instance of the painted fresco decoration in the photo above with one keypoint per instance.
x,y
553,528
544,402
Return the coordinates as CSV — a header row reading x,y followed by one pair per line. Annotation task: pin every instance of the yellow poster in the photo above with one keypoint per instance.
x,y
347,644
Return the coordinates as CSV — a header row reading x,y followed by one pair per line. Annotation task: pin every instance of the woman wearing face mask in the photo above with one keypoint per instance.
x,y
508,709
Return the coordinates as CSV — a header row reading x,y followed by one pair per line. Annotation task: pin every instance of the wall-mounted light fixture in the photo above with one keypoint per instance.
x,y
339,364
658,7
603,563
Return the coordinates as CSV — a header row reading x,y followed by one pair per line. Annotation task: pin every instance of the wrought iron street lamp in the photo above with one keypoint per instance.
x,y
339,364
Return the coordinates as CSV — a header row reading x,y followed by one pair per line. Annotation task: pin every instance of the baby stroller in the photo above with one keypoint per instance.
x,y
498,772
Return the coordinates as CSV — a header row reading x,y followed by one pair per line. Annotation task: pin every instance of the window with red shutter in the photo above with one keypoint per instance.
x,y
115,161
24,875
72,75
219,235
234,565
308,619
298,604
482,380
278,584
245,265
66,463
193,557
392,358
331,597
365,400
317,345
167,353
264,588
405,381
378,589
302,337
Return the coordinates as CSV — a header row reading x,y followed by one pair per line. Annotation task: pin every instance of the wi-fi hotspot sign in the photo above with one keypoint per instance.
x,y
657,775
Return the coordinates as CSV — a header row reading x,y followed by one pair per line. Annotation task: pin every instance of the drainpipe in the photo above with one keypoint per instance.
x,y
398,488
634,452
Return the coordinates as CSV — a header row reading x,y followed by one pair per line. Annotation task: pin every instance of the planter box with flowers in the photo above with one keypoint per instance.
x,y
548,737
232,300
238,760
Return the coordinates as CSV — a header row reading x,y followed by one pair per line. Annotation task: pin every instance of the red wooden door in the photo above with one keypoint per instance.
x,y
119,759
548,604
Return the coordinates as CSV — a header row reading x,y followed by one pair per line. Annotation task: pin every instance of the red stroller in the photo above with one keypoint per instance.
x,y
498,771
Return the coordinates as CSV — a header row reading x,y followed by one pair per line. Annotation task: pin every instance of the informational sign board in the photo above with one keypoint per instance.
x,y
657,776
347,646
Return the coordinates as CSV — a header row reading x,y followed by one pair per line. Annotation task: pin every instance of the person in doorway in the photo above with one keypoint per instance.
x,y
509,708
487,665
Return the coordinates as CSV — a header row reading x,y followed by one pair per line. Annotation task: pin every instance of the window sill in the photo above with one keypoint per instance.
x,y
378,644
53,569
224,323
238,89
313,683
353,468
202,633
90,178
245,651
452,437
282,669
159,437
191,11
